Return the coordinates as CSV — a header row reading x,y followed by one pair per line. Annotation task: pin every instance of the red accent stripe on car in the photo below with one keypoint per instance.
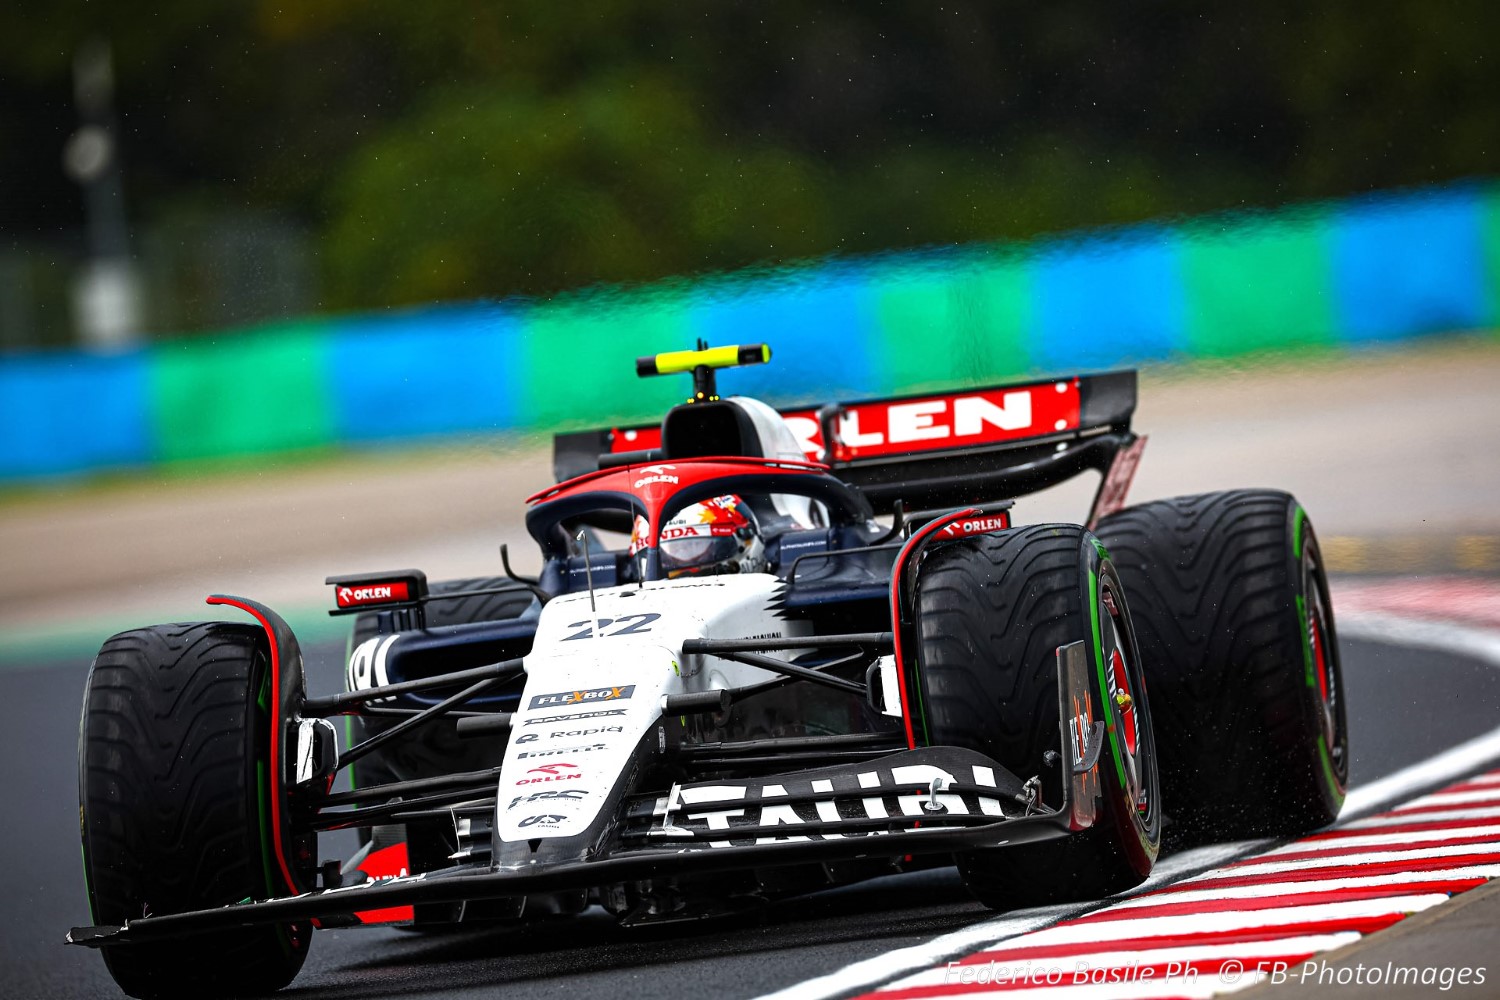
x,y
388,862
896,573
277,847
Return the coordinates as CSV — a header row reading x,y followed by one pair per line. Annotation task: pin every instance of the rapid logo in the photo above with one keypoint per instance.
x,y
586,697
576,733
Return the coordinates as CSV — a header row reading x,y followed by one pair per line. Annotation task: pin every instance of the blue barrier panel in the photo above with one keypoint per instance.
x,y
1104,302
433,371
1408,265
72,412
820,329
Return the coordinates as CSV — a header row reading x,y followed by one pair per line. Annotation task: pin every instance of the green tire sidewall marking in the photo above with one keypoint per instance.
x,y
1325,756
1109,715
83,826
349,742
262,792
263,798
349,719
1307,653
916,667
1325,768
916,676
88,885
1299,522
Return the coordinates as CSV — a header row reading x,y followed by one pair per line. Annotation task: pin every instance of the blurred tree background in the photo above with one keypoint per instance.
x,y
343,154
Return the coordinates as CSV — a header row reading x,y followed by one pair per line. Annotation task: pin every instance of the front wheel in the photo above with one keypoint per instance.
x,y
173,783
1231,599
991,614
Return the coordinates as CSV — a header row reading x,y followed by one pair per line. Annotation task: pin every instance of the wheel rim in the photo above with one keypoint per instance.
x,y
1122,680
1326,679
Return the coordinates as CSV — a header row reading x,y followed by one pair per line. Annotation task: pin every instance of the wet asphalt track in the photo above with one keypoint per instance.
x,y
1404,705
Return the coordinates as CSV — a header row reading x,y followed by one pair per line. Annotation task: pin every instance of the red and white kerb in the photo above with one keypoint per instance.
x,y
1265,916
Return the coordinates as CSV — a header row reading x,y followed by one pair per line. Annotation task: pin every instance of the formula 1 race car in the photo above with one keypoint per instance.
x,y
767,653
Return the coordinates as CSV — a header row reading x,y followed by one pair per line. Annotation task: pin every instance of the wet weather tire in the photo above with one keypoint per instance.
x,y
173,760
991,613
1233,616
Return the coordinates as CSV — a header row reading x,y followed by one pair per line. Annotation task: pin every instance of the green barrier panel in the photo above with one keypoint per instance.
x,y
579,359
1490,228
970,326
1258,285
259,391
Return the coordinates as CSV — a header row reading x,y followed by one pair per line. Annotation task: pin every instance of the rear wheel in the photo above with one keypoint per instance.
x,y
174,797
1231,602
443,610
991,614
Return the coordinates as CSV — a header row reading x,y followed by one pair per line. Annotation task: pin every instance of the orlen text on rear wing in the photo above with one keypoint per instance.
x,y
939,449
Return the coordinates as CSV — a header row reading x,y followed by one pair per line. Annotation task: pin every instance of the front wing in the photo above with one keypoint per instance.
x,y
1022,818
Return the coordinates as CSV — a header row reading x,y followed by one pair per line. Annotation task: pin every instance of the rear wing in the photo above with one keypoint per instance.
x,y
932,450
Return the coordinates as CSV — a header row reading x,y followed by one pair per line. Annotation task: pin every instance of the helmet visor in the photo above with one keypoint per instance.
x,y
688,546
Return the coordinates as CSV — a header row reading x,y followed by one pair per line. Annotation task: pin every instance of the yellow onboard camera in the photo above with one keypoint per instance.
x,y
701,363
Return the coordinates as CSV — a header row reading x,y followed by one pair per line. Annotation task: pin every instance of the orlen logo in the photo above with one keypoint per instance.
x,y
867,430
551,772
371,593
656,474
976,526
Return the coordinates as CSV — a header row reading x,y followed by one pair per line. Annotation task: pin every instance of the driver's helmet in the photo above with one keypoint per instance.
x,y
716,536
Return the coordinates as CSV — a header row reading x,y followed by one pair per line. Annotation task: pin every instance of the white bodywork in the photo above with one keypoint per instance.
x,y
596,682
778,441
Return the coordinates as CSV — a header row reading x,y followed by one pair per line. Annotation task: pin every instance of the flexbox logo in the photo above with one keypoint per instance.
x,y
584,697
